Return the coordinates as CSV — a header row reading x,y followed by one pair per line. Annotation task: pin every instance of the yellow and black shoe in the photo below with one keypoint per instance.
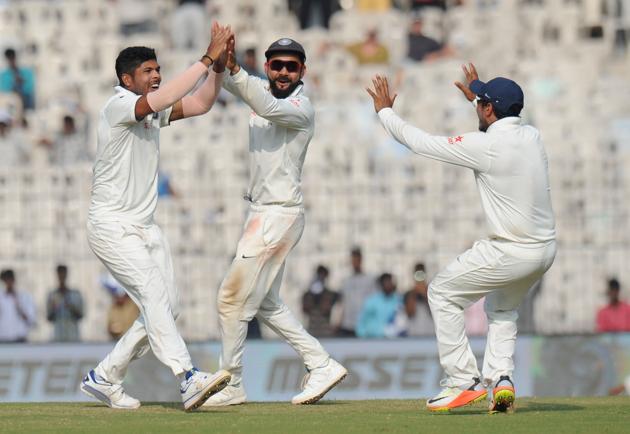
x,y
503,395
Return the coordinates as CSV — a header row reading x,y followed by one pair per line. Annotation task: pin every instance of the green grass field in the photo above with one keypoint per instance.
x,y
539,415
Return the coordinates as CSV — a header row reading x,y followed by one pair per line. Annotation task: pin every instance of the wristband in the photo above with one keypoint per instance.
x,y
209,58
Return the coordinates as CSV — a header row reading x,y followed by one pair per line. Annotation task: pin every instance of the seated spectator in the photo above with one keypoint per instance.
x,y
317,303
370,50
379,311
64,309
14,146
250,64
123,311
615,316
18,79
165,187
69,146
422,47
355,289
313,12
416,305
17,310
189,26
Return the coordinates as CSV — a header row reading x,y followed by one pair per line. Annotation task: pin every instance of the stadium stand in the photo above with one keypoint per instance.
x,y
360,187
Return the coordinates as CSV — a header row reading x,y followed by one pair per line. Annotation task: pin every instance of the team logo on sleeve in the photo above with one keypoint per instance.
x,y
452,140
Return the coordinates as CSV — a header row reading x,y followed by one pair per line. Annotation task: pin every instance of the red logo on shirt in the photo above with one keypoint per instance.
x,y
295,102
452,140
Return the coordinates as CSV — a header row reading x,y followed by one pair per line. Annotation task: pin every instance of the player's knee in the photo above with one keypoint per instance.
x,y
501,315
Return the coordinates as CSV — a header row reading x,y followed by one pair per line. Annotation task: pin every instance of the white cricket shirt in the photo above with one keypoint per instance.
x,y
279,133
510,167
124,186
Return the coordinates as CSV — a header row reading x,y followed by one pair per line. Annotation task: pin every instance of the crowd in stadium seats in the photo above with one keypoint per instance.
x,y
360,187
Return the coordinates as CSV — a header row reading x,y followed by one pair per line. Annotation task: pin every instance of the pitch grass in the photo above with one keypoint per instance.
x,y
538,415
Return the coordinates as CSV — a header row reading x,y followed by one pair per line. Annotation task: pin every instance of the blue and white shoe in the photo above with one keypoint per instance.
x,y
199,386
113,395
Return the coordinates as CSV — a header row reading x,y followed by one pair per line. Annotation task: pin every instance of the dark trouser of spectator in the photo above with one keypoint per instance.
x,y
253,329
345,333
308,11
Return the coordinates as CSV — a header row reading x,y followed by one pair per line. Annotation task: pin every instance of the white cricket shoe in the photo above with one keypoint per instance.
x,y
454,397
199,386
231,395
319,381
111,394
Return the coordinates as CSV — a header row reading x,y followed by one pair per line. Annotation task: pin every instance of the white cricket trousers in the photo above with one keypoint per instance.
x,y
139,258
501,271
252,285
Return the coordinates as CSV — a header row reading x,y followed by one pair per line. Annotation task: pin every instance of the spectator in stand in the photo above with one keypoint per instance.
x,y
416,305
313,12
18,79
421,47
355,289
378,316
317,303
69,146
123,311
64,309
17,310
370,50
250,64
14,146
615,316
189,25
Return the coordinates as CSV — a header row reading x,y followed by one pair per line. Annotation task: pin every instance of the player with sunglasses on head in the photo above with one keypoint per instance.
x,y
280,130
511,170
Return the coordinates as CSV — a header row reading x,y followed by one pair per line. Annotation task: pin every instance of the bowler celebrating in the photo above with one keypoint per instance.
x,y
510,167
280,129
121,229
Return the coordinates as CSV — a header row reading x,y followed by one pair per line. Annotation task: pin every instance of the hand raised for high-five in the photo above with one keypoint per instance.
x,y
380,94
218,44
231,56
471,74
219,63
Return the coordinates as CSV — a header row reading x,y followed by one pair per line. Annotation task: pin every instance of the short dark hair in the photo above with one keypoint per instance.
x,y
130,58
356,251
321,269
62,268
9,53
7,274
383,277
419,267
514,110
613,284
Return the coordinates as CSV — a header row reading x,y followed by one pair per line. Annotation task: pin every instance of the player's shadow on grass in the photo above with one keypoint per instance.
x,y
536,407
176,406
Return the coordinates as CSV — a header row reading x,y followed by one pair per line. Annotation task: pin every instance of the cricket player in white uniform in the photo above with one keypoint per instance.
x,y
510,167
281,127
121,229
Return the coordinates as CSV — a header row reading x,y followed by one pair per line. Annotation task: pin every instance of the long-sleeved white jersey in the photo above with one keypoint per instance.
x,y
510,167
279,133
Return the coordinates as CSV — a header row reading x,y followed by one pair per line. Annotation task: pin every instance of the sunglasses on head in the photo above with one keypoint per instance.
x,y
291,65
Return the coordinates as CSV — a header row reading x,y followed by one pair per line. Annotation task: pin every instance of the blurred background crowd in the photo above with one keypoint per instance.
x,y
380,221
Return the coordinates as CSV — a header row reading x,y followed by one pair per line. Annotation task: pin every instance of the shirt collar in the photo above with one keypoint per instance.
x,y
505,123
120,89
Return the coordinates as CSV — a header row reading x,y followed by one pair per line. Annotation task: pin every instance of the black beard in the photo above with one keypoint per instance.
x,y
281,94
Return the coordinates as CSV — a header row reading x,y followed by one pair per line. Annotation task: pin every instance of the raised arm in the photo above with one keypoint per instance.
x,y
178,87
469,150
291,112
